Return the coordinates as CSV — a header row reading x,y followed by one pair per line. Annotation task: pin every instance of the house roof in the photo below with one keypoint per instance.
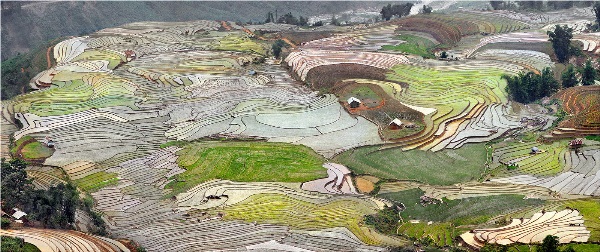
x,y
351,99
18,214
396,121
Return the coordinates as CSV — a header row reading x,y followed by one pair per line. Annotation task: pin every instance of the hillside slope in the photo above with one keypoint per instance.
x,y
48,20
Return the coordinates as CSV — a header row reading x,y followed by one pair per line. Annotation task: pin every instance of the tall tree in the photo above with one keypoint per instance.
x,y
277,47
497,5
568,77
561,42
15,184
548,84
596,9
386,12
550,244
270,18
426,9
588,74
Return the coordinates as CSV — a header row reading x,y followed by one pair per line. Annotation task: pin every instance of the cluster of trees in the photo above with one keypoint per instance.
x,y
538,5
398,10
287,18
52,208
528,87
18,70
588,75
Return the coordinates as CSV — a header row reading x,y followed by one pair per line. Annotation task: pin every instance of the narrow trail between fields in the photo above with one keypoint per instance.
x,y
48,57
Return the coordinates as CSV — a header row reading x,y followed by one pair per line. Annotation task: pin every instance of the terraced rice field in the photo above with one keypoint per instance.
x,y
547,162
450,28
452,97
279,209
566,225
442,234
65,240
582,105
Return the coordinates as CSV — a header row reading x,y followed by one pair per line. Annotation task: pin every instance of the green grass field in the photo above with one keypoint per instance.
x,y
441,234
452,217
240,44
96,181
364,93
467,211
33,150
246,162
444,167
413,45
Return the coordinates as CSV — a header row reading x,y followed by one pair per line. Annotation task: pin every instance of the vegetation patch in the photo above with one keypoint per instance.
x,y
468,211
413,45
16,244
240,44
96,181
30,149
246,161
445,167
76,95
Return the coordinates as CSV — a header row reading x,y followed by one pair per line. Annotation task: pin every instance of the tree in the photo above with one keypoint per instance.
x,y
386,12
531,5
277,46
270,18
302,21
497,5
492,247
548,84
15,184
550,244
426,9
596,9
588,74
334,21
561,42
568,77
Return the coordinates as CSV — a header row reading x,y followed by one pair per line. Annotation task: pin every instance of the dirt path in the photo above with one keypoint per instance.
x,y
48,57
226,25
289,42
263,38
